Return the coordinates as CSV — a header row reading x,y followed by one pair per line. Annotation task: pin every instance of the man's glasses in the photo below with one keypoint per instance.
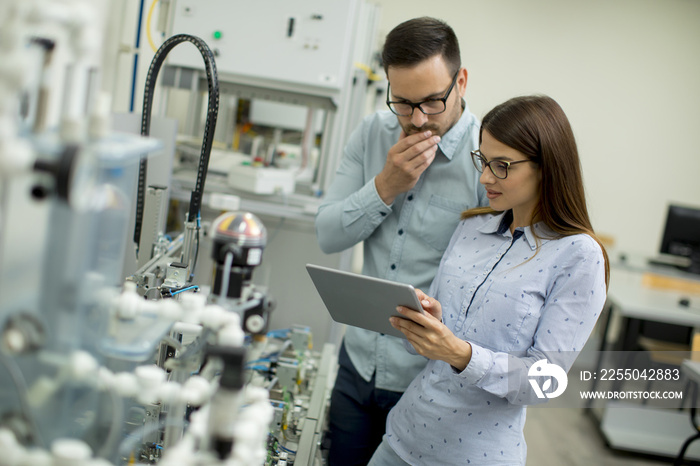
x,y
499,168
428,107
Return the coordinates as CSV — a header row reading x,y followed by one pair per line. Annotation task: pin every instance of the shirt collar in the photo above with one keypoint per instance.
x,y
451,142
498,225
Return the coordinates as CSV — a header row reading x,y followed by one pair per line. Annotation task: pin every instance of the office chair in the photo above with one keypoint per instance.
x,y
695,356
664,346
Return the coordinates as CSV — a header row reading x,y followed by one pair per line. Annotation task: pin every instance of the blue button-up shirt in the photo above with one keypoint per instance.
x,y
517,300
404,241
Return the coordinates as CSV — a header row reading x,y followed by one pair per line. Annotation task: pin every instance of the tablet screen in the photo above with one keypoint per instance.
x,y
362,301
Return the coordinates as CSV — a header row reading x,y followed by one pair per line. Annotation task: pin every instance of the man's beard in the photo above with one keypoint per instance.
x,y
435,129
410,129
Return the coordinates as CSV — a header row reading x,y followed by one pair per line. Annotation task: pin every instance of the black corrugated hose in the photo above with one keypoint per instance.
x,y
209,127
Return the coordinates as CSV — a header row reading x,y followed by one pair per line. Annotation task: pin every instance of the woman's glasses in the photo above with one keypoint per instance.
x,y
499,168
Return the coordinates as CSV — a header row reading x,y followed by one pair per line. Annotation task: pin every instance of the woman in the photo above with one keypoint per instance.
x,y
521,281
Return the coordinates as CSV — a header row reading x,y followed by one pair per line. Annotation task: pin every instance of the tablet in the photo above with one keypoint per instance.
x,y
362,301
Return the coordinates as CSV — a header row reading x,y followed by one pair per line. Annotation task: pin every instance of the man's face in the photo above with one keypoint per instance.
x,y
429,79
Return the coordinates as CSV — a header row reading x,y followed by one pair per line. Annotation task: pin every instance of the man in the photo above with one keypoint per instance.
x,y
405,177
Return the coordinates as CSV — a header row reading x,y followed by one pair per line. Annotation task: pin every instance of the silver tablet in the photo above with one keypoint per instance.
x,y
362,301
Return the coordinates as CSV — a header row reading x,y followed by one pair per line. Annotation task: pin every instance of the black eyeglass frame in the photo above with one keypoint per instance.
x,y
480,168
418,105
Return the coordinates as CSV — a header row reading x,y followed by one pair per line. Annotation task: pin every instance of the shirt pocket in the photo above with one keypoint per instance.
x,y
439,221
505,319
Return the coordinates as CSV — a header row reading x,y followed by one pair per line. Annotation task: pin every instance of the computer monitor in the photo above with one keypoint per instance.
x,y
682,235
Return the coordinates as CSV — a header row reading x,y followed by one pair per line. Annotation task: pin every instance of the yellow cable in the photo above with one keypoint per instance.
x,y
148,26
371,75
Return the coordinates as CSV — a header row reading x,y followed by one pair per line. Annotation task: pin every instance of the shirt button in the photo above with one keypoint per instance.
x,y
401,231
383,214
393,266
410,197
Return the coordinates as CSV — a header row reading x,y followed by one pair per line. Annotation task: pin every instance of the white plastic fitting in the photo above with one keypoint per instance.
x,y
105,378
149,379
70,452
13,72
255,394
14,340
12,451
41,390
187,330
150,376
182,454
169,309
252,426
198,422
128,303
36,457
223,413
169,393
126,384
16,155
231,335
213,316
197,390
83,366
193,305
248,441
96,462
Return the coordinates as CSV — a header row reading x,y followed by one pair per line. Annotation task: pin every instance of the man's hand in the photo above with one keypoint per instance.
x,y
406,160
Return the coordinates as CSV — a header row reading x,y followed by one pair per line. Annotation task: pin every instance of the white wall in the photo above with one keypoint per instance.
x,y
626,72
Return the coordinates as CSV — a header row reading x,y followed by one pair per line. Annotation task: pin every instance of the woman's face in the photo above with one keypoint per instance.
x,y
520,190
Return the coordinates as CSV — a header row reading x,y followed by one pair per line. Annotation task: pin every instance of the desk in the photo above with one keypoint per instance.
x,y
636,301
634,427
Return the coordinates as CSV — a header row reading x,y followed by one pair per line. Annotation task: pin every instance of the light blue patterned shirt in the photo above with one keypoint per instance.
x,y
515,303
404,241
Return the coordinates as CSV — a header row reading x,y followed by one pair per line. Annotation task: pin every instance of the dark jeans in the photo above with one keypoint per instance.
x,y
357,416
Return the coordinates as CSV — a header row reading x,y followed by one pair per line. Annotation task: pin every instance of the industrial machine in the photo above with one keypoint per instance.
x,y
301,68
295,79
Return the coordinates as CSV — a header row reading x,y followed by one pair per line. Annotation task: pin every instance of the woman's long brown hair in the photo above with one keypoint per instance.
x,y
538,127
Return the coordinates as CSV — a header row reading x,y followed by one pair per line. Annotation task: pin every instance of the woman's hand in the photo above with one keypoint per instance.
x,y
430,304
429,336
